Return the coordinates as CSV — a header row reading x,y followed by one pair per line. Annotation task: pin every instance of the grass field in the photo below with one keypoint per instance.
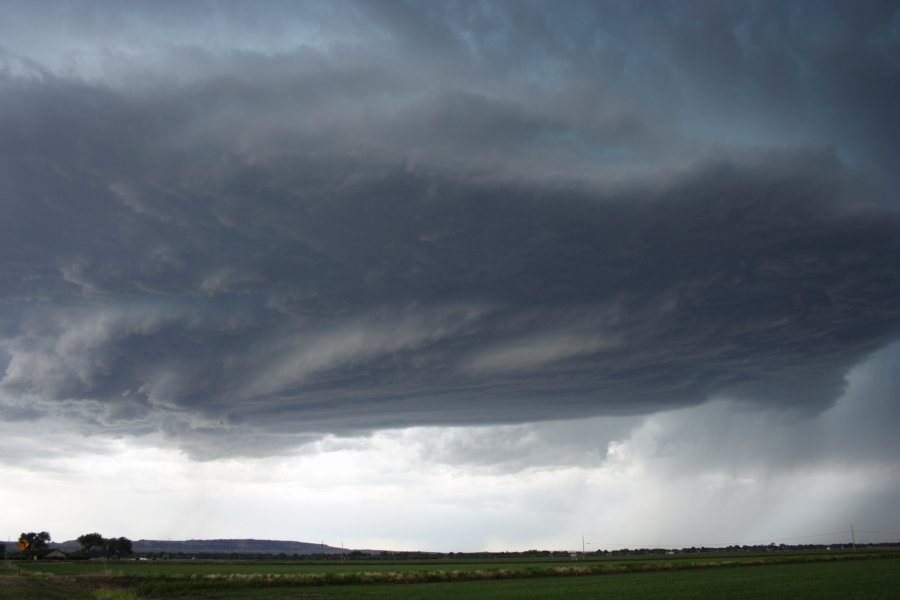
x,y
870,576
289,568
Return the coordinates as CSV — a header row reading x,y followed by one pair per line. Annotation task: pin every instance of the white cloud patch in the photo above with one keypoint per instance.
x,y
533,352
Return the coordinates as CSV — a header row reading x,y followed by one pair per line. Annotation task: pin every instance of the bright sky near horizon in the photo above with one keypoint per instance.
x,y
451,276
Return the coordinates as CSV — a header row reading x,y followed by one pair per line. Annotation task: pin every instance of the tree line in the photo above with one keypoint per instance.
x,y
94,544
33,545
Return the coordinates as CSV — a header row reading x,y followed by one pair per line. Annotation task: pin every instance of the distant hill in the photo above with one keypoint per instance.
x,y
244,546
230,546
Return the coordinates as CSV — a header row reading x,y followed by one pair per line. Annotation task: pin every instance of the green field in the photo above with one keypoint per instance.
x,y
798,576
522,564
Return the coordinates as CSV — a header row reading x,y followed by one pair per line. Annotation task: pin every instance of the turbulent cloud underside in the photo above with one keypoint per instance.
x,y
286,244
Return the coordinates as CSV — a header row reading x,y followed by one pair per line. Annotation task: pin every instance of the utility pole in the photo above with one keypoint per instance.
x,y
852,537
582,547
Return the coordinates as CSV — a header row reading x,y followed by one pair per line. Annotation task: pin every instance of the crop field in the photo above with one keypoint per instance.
x,y
331,567
791,576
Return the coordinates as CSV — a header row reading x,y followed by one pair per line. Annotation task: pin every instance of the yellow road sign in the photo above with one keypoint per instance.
x,y
23,543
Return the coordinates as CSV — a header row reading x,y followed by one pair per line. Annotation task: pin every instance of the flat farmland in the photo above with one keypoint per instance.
x,y
152,568
783,577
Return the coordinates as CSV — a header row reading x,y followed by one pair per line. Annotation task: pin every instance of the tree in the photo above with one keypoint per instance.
x,y
91,542
118,547
34,543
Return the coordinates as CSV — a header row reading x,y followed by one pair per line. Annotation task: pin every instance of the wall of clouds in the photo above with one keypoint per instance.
x,y
412,216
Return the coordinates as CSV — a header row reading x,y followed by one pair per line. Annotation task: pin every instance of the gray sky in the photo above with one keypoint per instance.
x,y
451,275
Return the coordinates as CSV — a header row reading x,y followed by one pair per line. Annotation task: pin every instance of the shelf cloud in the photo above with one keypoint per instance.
x,y
490,273
495,217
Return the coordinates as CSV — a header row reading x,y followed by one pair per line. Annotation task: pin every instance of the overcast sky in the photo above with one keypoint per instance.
x,y
451,276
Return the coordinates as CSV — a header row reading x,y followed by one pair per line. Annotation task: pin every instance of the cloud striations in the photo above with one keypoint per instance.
x,y
416,215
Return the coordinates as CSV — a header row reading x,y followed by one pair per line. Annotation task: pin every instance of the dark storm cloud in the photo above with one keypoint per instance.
x,y
358,236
